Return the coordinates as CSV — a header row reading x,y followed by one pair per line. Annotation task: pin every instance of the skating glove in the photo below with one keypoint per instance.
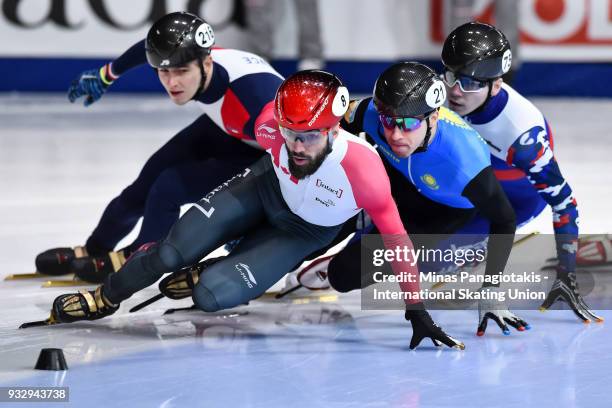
x,y
92,84
565,289
423,326
497,310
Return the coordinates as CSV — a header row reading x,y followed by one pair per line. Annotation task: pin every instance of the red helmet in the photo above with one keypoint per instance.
x,y
309,100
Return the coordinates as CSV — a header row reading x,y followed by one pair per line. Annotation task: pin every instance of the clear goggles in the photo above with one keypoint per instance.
x,y
466,83
308,138
407,124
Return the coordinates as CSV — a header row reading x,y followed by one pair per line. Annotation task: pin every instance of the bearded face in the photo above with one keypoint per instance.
x,y
302,164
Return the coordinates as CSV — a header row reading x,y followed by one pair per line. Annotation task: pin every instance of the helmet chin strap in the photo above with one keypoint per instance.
x,y
202,81
425,144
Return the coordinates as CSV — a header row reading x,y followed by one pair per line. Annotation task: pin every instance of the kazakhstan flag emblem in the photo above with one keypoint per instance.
x,y
430,181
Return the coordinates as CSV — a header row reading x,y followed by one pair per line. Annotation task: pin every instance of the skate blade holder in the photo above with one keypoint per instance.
x,y
66,283
38,323
20,276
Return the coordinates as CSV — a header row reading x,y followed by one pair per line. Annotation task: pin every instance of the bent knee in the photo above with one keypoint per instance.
x,y
163,258
215,291
205,299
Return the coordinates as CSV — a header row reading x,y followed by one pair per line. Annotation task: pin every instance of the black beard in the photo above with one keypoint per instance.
x,y
299,172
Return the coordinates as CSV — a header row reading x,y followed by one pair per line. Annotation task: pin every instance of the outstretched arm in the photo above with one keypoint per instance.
x,y
485,192
372,192
93,83
533,154
133,57
487,196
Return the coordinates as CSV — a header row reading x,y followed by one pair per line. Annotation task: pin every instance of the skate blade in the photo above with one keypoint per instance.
x,y
146,303
66,283
218,315
181,309
302,299
19,276
47,322
280,295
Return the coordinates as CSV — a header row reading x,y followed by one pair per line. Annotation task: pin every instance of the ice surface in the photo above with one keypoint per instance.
x,y
59,166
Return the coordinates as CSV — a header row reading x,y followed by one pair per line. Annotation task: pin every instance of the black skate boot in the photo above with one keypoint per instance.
x,y
56,261
96,269
179,285
84,305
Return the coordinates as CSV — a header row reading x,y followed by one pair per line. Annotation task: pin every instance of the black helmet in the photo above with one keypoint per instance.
x,y
178,38
408,89
477,50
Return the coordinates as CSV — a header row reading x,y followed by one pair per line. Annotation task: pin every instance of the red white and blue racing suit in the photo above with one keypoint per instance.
x,y
217,145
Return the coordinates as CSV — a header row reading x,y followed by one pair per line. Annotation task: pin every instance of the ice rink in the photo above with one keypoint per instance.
x,y
60,164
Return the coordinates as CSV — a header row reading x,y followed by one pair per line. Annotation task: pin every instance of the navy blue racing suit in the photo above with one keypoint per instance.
x,y
217,145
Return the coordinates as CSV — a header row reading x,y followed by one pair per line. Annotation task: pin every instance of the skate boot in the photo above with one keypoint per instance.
x,y
56,261
309,278
179,285
594,250
84,305
96,269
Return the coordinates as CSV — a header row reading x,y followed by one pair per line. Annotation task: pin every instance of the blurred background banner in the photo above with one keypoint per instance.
x,y
566,45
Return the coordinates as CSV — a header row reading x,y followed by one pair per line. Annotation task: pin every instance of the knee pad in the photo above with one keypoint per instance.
x,y
205,299
163,258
